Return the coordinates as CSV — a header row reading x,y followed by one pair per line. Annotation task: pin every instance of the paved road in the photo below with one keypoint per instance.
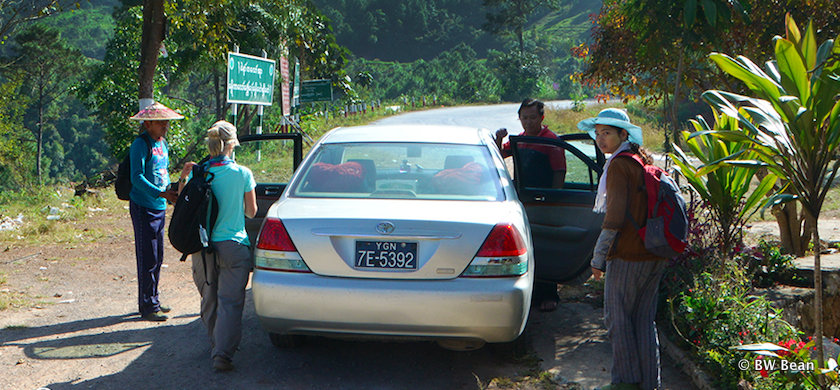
x,y
491,117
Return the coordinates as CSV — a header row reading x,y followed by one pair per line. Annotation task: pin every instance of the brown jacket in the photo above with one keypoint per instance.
x,y
625,190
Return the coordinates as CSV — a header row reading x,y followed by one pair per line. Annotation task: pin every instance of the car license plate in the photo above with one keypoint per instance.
x,y
386,255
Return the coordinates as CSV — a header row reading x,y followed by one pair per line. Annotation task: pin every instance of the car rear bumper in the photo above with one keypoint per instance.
x,y
489,309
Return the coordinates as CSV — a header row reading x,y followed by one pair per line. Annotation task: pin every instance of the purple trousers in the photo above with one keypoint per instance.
x,y
148,247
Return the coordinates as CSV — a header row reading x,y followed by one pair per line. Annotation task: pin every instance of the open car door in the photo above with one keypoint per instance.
x,y
564,228
272,158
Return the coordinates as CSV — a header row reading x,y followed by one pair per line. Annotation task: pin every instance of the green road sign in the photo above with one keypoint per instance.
x,y
250,80
316,91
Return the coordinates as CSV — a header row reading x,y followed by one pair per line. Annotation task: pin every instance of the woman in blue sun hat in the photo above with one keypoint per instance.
x,y
631,273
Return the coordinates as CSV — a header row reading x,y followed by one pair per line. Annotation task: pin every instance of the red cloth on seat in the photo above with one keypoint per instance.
x,y
462,180
324,177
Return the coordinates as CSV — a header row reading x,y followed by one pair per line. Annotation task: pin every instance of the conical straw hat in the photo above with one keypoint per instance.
x,y
157,112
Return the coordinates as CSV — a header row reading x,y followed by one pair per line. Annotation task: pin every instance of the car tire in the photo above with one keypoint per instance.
x,y
515,349
286,340
461,345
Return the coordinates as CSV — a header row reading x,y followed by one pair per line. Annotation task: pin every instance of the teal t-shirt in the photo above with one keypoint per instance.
x,y
230,183
149,180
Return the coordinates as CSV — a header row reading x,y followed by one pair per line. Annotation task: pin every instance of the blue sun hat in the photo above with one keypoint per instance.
x,y
612,117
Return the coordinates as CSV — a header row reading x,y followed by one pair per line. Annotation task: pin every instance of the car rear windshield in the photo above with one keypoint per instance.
x,y
400,171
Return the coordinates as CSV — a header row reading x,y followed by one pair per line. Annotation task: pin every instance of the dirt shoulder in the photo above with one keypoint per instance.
x,y
73,324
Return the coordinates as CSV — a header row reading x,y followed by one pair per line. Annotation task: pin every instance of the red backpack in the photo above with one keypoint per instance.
x,y
665,230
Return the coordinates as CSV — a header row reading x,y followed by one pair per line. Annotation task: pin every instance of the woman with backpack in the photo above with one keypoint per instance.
x,y
221,276
631,272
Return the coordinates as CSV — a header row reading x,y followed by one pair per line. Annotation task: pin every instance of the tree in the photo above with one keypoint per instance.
x,y
655,47
47,65
15,141
14,13
199,36
791,122
521,73
150,44
509,17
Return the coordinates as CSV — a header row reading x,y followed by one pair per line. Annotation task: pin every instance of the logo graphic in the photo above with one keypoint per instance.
x,y
385,227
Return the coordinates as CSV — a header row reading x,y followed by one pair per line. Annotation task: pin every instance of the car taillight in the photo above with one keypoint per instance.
x,y
274,237
503,241
502,254
275,250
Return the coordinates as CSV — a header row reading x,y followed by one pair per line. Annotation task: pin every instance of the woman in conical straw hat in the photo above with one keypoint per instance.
x,y
149,157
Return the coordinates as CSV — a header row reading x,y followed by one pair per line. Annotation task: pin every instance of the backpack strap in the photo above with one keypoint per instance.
x,y
635,157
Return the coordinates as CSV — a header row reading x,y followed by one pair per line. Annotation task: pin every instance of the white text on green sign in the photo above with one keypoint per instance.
x,y
250,79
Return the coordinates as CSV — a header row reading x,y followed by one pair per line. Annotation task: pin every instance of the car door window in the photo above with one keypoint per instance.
x,y
538,161
563,226
272,158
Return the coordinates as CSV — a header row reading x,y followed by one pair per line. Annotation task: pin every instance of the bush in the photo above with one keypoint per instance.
x,y
710,304
766,266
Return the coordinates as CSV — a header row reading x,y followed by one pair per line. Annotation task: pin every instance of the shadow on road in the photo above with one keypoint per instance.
x,y
176,355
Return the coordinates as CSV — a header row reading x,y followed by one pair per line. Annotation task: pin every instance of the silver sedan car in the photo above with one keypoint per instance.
x,y
409,231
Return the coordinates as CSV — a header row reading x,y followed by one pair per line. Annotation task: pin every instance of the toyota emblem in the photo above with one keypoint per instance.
x,y
385,228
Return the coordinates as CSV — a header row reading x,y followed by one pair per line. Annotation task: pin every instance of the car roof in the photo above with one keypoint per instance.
x,y
407,133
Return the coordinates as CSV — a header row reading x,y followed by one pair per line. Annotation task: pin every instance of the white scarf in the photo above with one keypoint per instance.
x,y
601,197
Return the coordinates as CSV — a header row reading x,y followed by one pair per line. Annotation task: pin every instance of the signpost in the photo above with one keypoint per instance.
x,y
250,79
296,88
316,91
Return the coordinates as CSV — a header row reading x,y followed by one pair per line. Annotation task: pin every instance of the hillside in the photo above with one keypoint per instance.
x,y
408,30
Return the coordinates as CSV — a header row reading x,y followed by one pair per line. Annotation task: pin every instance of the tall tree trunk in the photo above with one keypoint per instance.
x,y
153,24
675,120
818,293
793,235
40,140
519,28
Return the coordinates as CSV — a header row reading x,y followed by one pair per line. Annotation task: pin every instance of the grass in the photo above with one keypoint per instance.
x,y
52,214
10,299
565,121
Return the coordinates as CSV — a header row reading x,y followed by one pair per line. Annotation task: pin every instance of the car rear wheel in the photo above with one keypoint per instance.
x,y
515,349
461,345
286,340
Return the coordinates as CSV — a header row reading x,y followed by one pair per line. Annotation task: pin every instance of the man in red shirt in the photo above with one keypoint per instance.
x,y
531,115
543,166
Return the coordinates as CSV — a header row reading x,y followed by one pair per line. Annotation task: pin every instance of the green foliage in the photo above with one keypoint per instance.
x,y
87,28
802,372
455,75
509,18
407,30
47,66
111,89
519,73
725,189
718,312
16,146
793,122
766,266
710,300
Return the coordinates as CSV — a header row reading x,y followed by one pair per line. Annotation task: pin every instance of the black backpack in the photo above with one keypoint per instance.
x,y
122,186
189,227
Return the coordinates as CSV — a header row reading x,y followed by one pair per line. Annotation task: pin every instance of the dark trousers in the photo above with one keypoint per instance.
x,y
148,247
